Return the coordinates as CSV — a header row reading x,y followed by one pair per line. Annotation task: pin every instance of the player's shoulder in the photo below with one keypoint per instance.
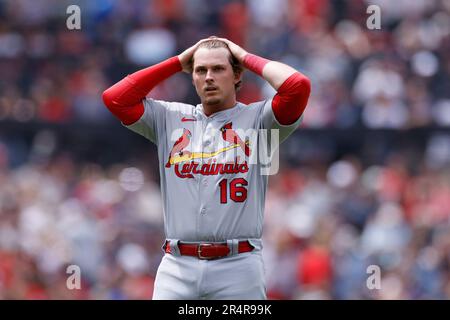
x,y
172,106
256,106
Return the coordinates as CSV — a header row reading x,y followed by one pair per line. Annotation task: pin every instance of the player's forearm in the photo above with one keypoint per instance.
x,y
124,99
274,72
293,88
134,87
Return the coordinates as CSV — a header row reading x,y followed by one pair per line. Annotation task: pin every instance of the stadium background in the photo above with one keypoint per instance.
x,y
364,181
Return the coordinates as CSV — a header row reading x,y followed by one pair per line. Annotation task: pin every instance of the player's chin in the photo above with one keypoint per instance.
x,y
210,101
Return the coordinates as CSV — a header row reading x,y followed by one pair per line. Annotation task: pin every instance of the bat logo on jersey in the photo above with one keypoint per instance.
x,y
179,145
228,134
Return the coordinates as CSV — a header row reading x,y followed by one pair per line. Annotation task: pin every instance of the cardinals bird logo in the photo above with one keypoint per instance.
x,y
179,145
229,135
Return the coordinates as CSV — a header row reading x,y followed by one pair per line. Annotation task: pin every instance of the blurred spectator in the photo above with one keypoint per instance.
x,y
398,75
333,209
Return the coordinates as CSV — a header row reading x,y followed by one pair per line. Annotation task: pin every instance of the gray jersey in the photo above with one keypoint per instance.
x,y
211,190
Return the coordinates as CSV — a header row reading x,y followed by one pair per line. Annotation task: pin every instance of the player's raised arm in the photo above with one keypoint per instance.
x,y
124,99
293,88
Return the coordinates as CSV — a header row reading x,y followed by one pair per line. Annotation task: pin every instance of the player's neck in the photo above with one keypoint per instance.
x,y
213,108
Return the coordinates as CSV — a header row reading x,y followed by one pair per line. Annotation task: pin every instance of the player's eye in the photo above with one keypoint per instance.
x,y
218,68
200,70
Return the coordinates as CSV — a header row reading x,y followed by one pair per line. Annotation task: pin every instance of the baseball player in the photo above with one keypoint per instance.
x,y
213,195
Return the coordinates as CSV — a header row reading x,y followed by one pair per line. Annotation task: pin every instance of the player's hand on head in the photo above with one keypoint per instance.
x,y
236,50
186,56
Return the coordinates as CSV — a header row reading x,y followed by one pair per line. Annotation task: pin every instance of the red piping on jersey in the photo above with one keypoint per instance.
x,y
124,99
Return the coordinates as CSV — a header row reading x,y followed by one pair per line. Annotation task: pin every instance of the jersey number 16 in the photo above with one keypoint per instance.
x,y
238,192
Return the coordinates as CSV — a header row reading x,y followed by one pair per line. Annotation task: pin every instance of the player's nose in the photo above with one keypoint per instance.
x,y
209,76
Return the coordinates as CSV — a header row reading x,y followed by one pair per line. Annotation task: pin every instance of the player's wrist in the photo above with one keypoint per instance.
x,y
176,63
241,55
255,63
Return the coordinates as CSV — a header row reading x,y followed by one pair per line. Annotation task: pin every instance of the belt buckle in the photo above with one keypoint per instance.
x,y
199,251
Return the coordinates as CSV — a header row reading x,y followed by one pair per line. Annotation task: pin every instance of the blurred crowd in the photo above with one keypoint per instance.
x,y
394,77
326,227
329,221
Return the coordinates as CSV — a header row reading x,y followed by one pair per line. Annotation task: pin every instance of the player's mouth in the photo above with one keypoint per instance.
x,y
211,89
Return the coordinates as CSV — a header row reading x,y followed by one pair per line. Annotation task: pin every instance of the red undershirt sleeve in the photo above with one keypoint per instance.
x,y
291,99
292,96
124,99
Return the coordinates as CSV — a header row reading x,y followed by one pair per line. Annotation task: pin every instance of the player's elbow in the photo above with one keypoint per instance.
x,y
302,85
306,84
108,97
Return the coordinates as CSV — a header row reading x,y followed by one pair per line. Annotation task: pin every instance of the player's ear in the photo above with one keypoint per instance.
x,y
238,77
238,80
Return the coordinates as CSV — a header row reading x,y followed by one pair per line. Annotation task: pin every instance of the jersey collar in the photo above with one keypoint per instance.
x,y
220,115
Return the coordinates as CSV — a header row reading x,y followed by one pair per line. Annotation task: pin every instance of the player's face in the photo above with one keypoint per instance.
x,y
213,77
